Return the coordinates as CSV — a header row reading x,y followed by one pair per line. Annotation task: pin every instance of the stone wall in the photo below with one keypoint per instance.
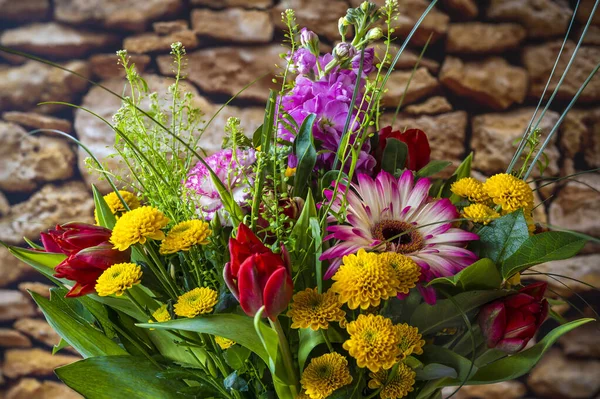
x,y
475,89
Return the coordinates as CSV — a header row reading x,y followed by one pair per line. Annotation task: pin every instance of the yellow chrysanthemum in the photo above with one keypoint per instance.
x,y
118,278
116,206
160,315
398,387
509,192
302,395
471,189
410,340
197,301
314,310
364,280
407,271
224,343
185,235
374,342
480,213
325,374
138,225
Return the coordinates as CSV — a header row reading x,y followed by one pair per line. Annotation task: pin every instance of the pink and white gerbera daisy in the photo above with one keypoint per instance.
x,y
389,214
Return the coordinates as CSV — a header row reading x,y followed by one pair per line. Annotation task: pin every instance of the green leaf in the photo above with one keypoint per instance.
x,y
32,244
432,168
236,356
315,228
502,237
234,381
118,377
43,262
463,170
513,367
85,339
438,355
394,155
306,154
481,275
329,177
103,212
62,344
434,371
231,326
540,248
257,137
430,319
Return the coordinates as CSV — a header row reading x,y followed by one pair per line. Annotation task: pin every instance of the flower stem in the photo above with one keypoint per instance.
x,y
327,341
287,355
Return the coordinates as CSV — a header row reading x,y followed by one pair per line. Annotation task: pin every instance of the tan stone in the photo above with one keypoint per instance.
x,y
11,269
408,59
482,38
260,4
432,106
26,362
592,36
37,287
14,305
52,205
462,9
446,132
584,341
541,18
585,268
556,376
122,14
4,205
247,26
226,70
27,161
580,134
33,120
539,61
23,87
105,66
39,330
168,27
28,388
12,338
421,85
152,42
316,15
492,82
55,40
500,390
435,23
585,9
24,10
494,138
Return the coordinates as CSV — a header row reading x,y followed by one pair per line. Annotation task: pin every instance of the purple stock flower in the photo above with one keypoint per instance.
x,y
368,61
302,62
234,171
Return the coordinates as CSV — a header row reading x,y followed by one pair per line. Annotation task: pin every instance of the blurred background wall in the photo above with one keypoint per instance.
x,y
474,90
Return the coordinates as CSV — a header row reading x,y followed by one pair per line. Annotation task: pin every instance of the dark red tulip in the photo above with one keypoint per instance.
x,y
88,252
256,276
419,152
509,323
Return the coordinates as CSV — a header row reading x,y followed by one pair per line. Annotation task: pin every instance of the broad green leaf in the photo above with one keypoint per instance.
x,y
306,154
310,339
257,137
394,155
438,355
434,371
502,237
231,326
62,344
103,212
463,170
481,275
513,367
330,177
429,319
234,381
32,244
84,338
540,248
301,235
43,262
236,356
110,377
432,168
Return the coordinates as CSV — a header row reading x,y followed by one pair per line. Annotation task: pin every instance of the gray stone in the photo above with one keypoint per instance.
x,y
28,388
24,10
541,18
12,338
105,66
316,15
38,362
247,26
14,305
421,85
432,106
482,38
153,42
32,120
583,341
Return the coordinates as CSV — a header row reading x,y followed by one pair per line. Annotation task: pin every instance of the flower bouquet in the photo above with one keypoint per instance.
x,y
323,256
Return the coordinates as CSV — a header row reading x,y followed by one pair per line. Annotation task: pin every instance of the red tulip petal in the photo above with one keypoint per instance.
x,y
230,282
278,292
80,290
536,290
492,320
513,345
250,294
49,244
543,313
518,300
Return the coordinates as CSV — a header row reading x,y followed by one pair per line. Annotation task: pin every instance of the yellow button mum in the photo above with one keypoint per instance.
x,y
224,343
185,235
138,225
398,387
161,314
314,310
116,206
197,301
364,280
410,340
471,189
324,375
118,278
374,342
480,213
509,192
407,271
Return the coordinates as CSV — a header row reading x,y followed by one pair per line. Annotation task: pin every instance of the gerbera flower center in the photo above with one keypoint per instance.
x,y
398,236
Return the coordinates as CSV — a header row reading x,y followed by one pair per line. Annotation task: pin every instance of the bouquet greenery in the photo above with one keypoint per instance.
x,y
324,256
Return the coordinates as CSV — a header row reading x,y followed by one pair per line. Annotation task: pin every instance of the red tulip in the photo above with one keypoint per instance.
x,y
88,254
509,323
416,140
256,276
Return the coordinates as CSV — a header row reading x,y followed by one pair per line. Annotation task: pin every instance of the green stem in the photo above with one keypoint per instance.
x,y
287,356
327,341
